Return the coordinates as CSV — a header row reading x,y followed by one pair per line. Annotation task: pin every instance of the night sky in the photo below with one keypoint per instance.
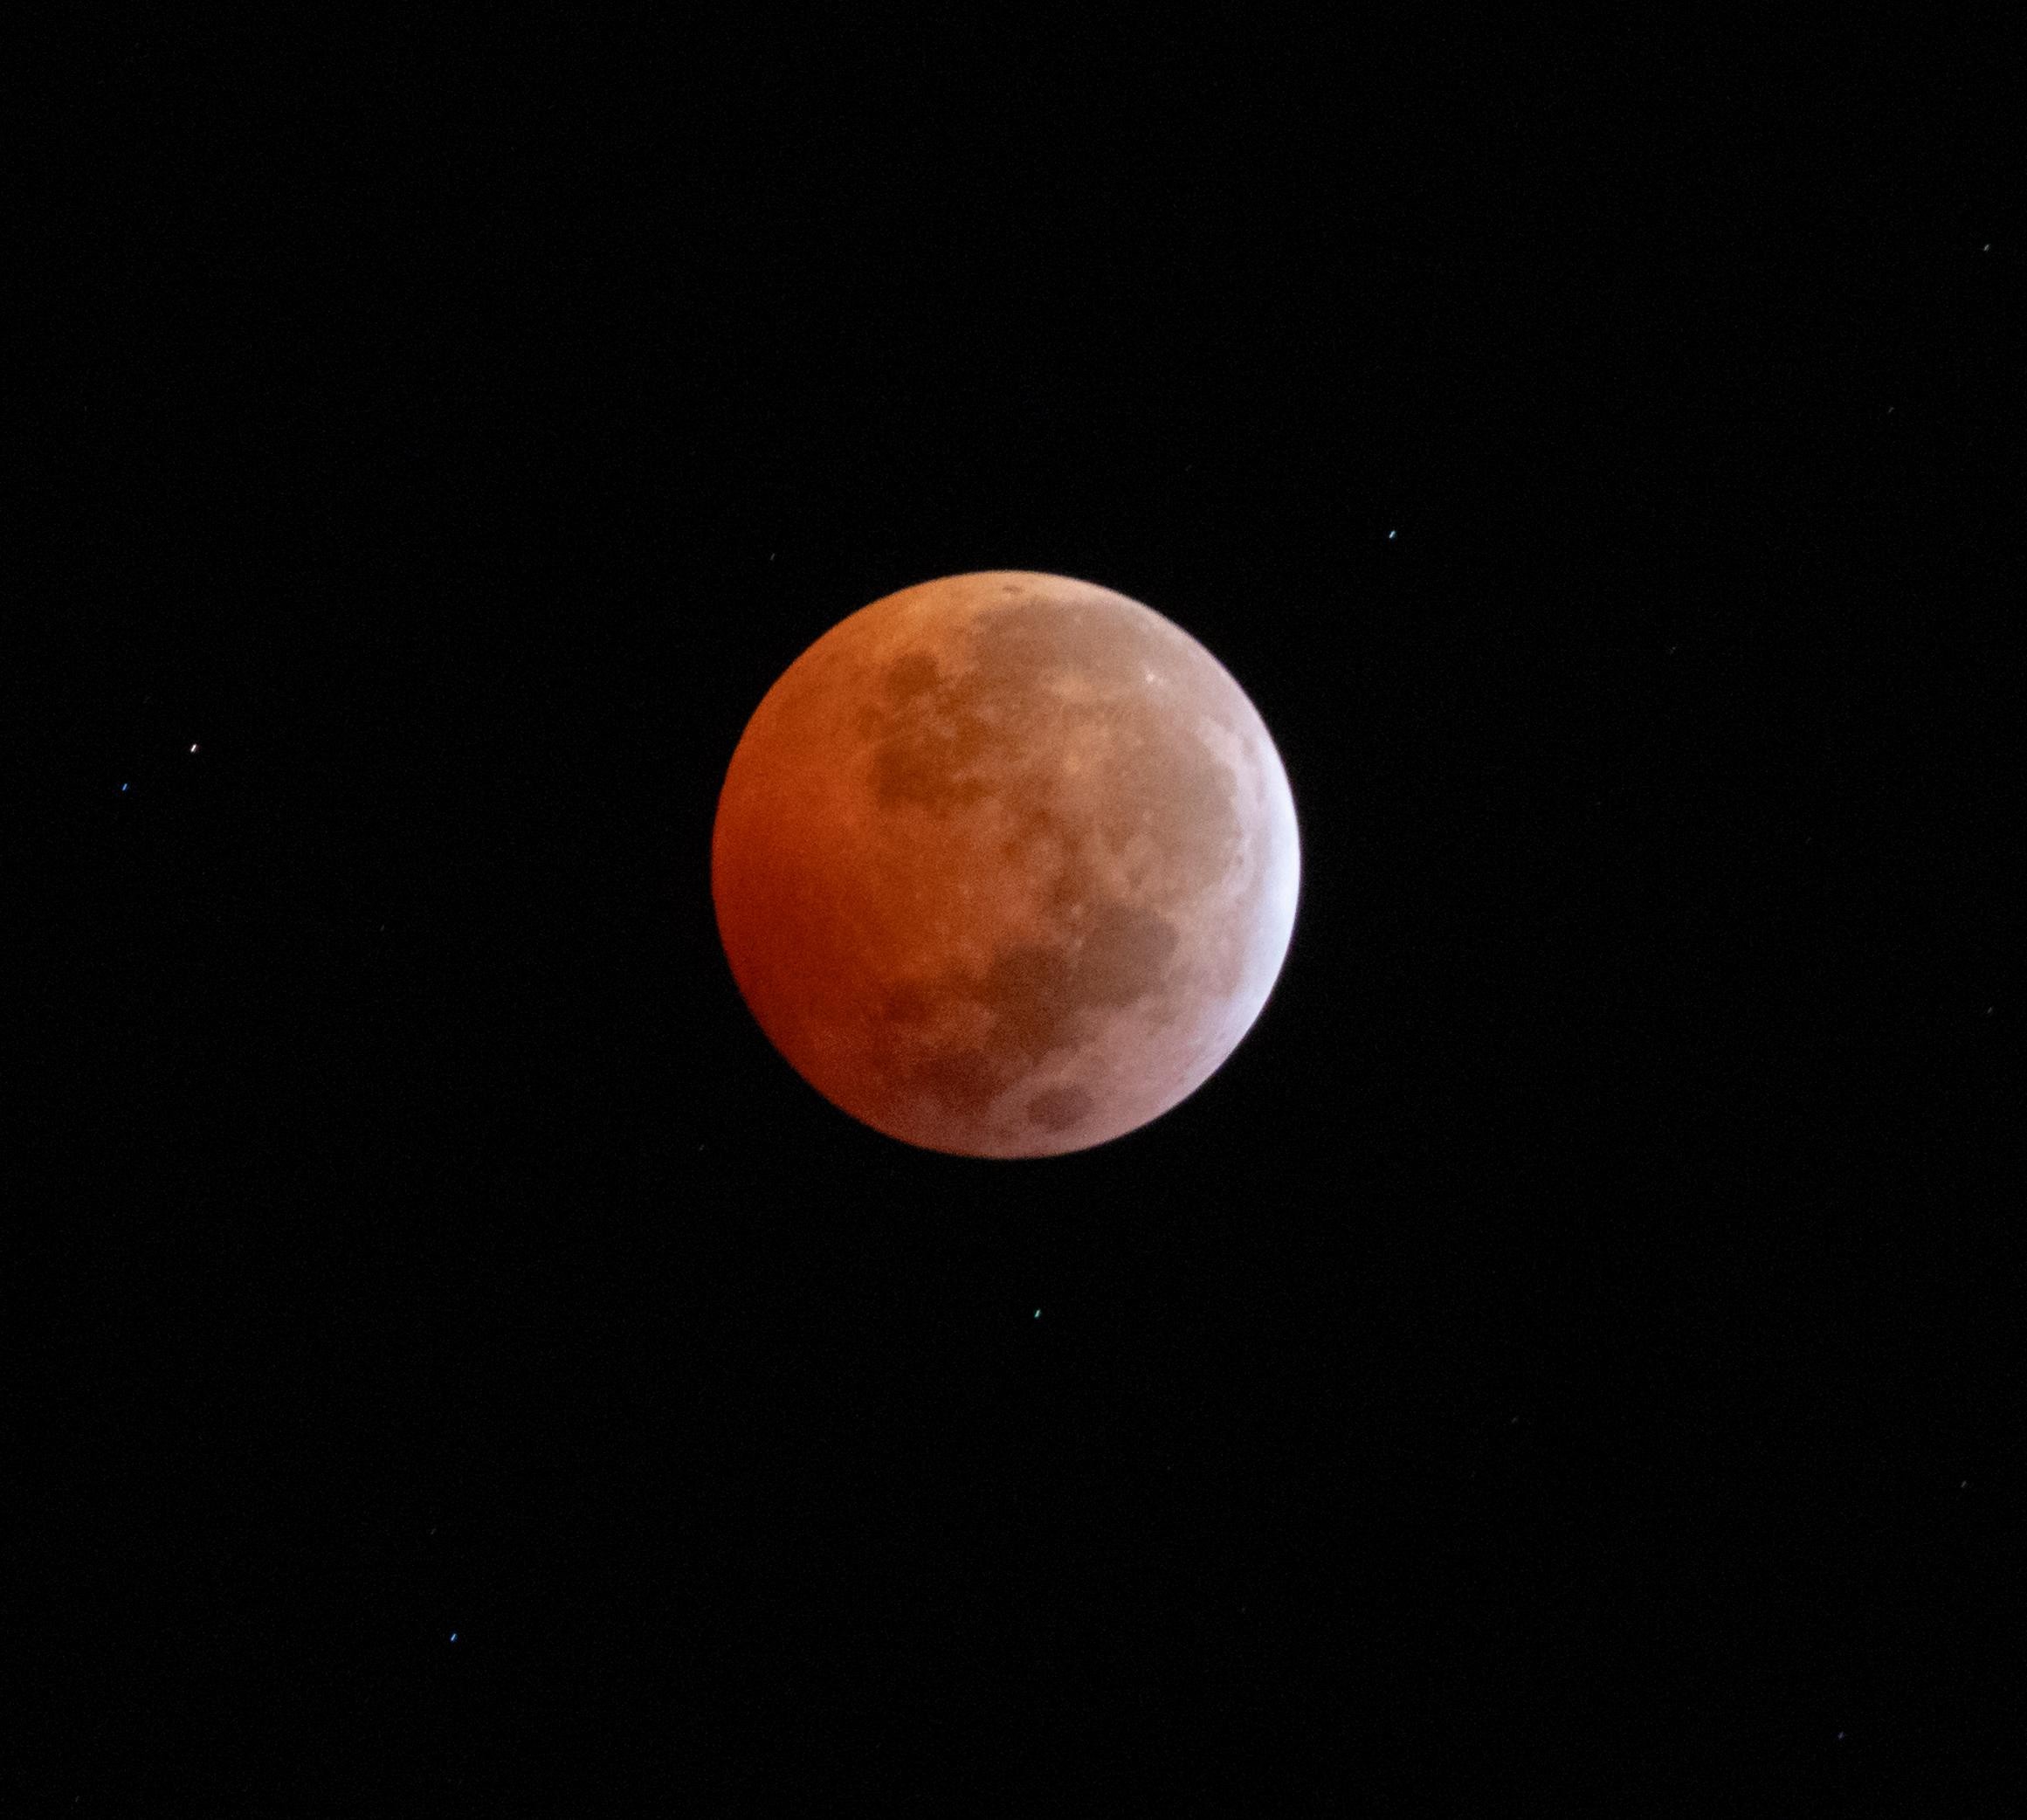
x,y
1578,1330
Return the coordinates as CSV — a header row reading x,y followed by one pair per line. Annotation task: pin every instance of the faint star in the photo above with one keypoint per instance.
x,y
124,790
1391,536
454,1638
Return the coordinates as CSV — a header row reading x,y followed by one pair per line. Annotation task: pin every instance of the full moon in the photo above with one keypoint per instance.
x,y
1005,865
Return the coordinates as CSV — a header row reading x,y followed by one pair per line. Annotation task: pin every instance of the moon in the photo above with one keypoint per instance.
x,y
1005,865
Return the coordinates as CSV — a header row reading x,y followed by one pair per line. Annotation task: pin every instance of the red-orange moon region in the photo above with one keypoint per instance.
x,y
1005,865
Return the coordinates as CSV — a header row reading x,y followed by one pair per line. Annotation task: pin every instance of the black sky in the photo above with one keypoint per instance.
x,y
1579,1325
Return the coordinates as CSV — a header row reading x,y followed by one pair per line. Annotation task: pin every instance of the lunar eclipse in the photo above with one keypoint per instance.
x,y
1005,865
